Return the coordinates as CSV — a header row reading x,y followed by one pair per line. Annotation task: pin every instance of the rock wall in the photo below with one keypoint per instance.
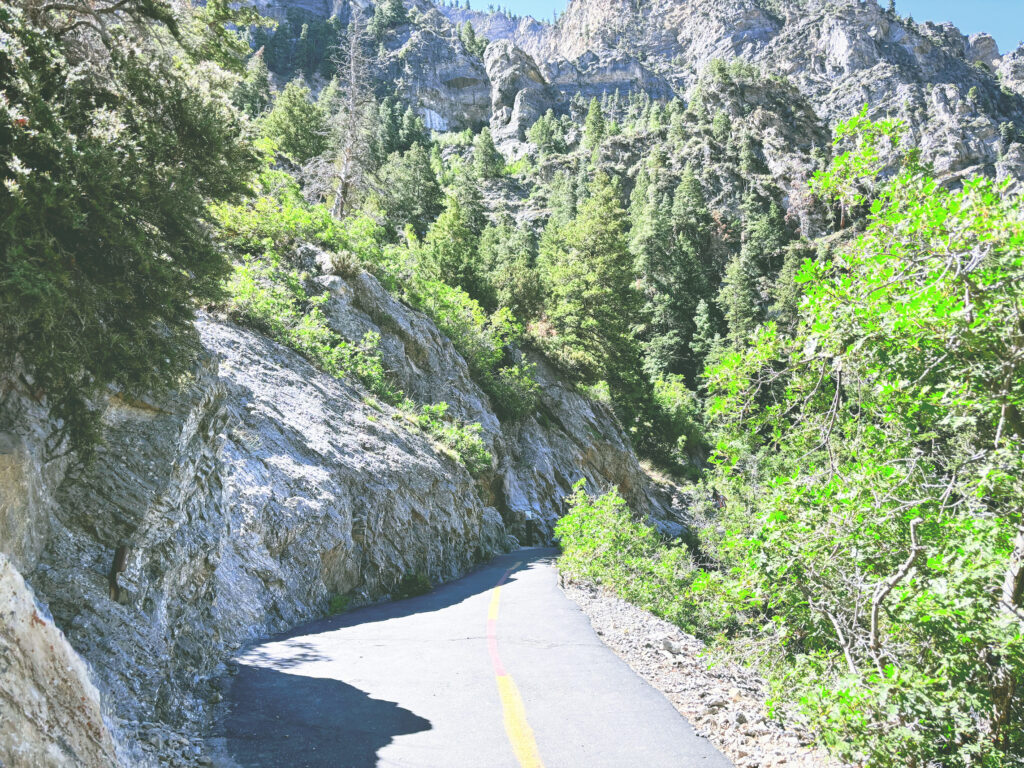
x,y
242,503
840,54
50,714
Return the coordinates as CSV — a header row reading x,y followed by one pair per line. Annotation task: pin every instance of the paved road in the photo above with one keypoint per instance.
x,y
470,676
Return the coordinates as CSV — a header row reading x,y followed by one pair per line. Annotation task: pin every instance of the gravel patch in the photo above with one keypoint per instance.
x,y
724,703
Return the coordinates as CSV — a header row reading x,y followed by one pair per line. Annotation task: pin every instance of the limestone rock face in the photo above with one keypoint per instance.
x,y
519,92
1011,70
50,713
429,68
840,54
31,469
242,503
237,507
537,459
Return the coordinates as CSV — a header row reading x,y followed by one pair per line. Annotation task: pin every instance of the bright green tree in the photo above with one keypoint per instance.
x,y
296,123
873,468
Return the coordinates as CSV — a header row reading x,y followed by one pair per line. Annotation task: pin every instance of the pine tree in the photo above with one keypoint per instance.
x,y
594,126
590,301
408,190
547,134
252,94
349,104
739,300
669,243
487,161
452,247
296,123
765,235
466,191
387,15
705,340
508,255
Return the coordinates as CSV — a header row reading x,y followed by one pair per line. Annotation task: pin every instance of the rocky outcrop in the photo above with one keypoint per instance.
x,y
538,458
519,92
32,466
247,500
1011,70
50,713
839,54
428,67
236,507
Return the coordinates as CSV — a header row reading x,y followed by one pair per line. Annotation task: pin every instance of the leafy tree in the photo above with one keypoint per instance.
x,y
873,465
112,143
296,123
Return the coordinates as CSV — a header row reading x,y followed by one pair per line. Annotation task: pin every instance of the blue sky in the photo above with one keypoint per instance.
x,y
1003,19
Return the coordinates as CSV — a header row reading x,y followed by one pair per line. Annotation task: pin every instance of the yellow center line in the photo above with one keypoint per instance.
x,y
519,732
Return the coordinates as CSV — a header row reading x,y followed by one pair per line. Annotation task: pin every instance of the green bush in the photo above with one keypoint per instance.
x,y
603,543
482,340
338,604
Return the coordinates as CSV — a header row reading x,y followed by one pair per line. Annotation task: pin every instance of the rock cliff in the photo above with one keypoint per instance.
x,y
840,55
247,500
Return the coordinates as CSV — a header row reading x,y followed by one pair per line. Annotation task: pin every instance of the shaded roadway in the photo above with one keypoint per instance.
x,y
411,684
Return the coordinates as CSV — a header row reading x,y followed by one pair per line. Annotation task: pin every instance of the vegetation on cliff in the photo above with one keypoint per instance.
x,y
866,549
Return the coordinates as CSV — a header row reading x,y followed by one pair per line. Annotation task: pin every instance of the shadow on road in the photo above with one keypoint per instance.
x,y
278,715
309,722
481,580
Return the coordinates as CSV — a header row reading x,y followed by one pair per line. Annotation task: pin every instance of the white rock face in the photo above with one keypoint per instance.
x,y
243,503
840,54
50,714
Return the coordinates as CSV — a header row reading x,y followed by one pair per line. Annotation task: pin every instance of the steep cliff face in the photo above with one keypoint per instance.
x,y
244,502
954,92
840,55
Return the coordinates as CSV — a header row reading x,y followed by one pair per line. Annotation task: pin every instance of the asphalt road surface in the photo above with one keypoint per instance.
x,y
472,675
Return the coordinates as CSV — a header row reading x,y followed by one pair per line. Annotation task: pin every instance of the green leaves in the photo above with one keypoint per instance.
x,y
895,400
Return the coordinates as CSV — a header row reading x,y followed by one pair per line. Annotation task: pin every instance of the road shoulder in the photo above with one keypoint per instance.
x,y
724,703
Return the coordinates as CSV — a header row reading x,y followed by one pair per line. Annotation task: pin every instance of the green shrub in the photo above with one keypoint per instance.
x,y
482,340
602,543
338,604
412,585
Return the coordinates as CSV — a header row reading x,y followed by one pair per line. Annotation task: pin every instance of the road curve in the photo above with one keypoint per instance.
x,y
496,670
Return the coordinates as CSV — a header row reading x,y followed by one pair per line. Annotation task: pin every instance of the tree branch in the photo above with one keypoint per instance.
x,y
882,590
